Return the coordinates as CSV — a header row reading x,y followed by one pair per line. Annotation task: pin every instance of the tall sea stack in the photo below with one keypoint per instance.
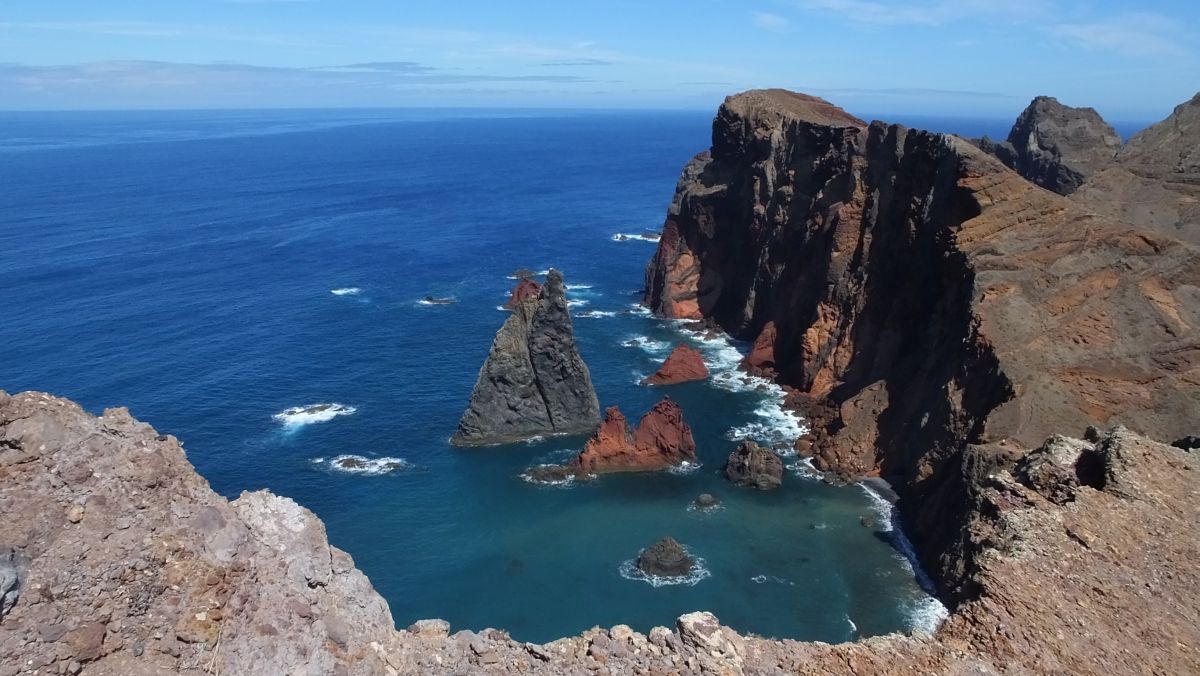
x,y
534,381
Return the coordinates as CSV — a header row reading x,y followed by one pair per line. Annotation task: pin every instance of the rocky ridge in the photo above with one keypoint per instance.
x,y
1152,181
937,313
127,563
534,381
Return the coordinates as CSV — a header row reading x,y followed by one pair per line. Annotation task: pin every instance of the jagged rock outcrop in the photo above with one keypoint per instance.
x,y
130,564
755,467
1155,180
684,364
1055,146
936,312
665,558
661,440
534,381
525,290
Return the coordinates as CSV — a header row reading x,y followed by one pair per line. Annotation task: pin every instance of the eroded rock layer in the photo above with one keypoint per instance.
x,y
684,364
534,382
937,312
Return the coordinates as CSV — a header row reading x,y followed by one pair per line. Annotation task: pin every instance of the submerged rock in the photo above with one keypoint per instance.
x,y
754,466
684,364
534,381
439,301
662,439
665,558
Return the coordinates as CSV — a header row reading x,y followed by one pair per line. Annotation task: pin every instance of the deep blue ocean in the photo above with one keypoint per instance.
x,y
184,264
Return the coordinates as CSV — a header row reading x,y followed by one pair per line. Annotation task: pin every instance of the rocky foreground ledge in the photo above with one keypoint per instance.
x,y
117,558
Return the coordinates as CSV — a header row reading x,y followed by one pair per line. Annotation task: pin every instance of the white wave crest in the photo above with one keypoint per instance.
x,y
636,237
684,468
358,464
578,287
648,345
313,413
596,314
539,273
436,301
346,291
630,571
927,613
576,303
640,310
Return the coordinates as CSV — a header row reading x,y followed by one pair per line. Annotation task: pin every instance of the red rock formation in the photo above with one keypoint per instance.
x,y
684,364
526,289
761,360
662,440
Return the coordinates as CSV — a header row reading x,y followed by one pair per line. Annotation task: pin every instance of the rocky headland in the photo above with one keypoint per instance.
x,y
684,364
937,314
534,382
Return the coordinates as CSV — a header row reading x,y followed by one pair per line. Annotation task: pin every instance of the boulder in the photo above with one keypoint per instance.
x,y
762,354
662,439
754,466
682,365
706,501
534,382
665,558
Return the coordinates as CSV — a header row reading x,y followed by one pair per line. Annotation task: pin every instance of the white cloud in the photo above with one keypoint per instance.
x,y
1140,34
927,12
772,22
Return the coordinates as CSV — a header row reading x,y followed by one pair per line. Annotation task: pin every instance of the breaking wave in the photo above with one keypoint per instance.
x,y
358,464
297,416
636,237
346,291
596,314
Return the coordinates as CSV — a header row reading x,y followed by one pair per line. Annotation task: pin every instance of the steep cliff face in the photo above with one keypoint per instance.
x,y
1055,146
938,312
534,381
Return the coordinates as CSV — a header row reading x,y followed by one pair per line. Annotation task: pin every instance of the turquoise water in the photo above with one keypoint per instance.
x,y
183,264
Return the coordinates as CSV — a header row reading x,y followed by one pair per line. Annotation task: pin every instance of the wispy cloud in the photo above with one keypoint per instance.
x,y
579,62
771,22
906,92
926,12
1136,34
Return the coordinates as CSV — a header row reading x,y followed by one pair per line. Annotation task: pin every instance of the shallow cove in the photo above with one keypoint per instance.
x,y
211,270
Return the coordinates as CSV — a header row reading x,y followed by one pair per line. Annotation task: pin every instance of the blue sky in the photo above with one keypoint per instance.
x,y
1131,61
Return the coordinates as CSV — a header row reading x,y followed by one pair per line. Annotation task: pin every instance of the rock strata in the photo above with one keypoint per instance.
x,y
684,364
932,310
661,440
665,558
754,467
534,381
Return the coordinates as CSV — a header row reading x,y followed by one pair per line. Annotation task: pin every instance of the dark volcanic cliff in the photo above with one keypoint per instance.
x,y
939,313
534,381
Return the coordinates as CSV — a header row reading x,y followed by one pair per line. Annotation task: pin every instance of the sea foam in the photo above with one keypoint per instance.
x,y
346,291
630,571
924,614
596,314
358,464
297,416
636,237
